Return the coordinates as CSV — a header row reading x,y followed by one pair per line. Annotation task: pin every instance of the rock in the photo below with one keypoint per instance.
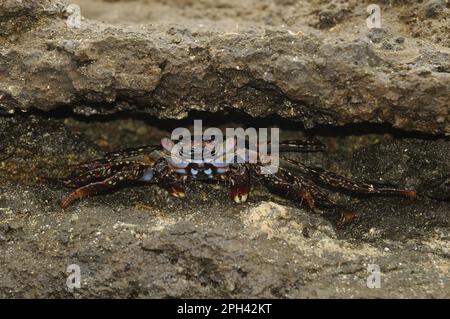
x,y
333,13
376,35
100,86
18,17
168,70
432,8
140,242
440,188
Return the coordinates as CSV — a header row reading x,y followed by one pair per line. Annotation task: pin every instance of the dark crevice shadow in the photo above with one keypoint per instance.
x,y
238,119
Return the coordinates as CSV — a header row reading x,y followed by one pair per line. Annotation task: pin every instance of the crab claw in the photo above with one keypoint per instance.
x,y
177,191
239,197
240,185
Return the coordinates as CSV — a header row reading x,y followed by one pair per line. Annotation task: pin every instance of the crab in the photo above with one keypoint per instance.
x,y
173,163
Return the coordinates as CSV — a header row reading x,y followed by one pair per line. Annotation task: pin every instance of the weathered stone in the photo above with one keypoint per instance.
x,y
141,242
167,70
308,61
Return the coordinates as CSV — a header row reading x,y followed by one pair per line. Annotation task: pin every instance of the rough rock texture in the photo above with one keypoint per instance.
x,y
140,242
315,61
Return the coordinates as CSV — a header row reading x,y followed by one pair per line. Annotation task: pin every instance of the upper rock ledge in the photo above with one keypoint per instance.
x,y
309,74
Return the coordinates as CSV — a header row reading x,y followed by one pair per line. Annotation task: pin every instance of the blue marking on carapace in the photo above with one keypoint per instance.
x,y
148,176
221,170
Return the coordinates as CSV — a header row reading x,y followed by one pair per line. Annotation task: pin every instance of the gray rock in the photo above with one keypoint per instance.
x,y
314,63
140,242
433,8
168,70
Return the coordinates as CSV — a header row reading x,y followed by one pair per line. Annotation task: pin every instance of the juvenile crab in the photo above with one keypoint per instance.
x,y
157,164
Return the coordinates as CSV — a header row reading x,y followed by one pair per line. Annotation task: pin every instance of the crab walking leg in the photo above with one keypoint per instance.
x,y
98,187
341,182
323,201
173,184
96,172
166,178
239,179
306,145
131,152
299,188
289,186
338,181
